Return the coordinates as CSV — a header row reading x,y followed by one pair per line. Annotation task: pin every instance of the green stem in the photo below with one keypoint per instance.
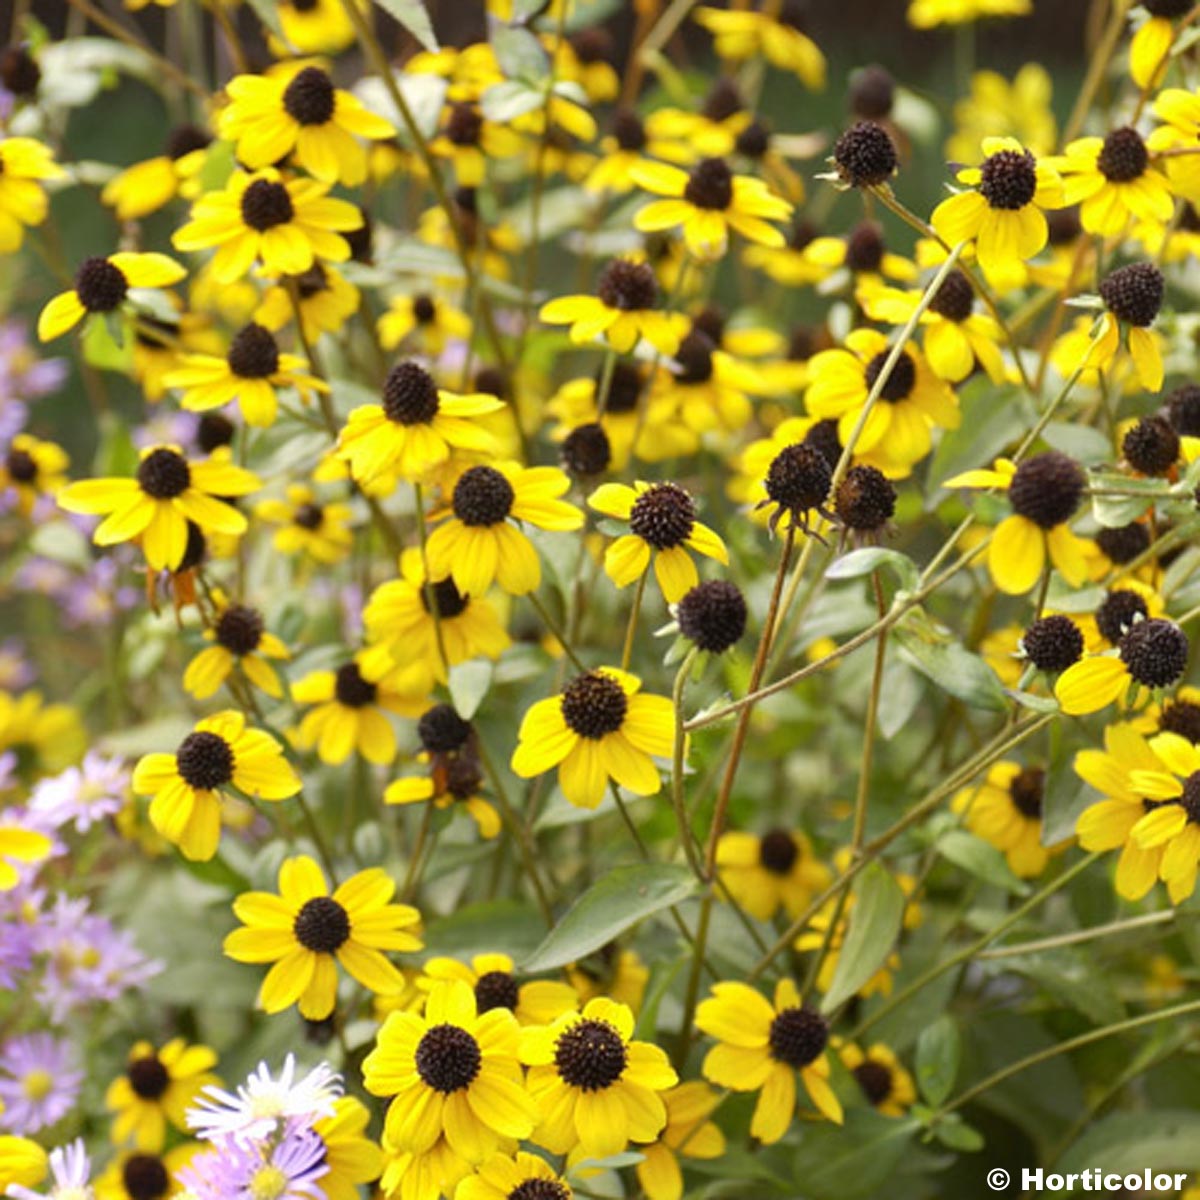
x,y
1075,1043
634,614
970,951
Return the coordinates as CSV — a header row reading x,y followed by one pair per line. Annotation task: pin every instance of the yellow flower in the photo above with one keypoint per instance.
x,y
662,522
453,1073
1045,491
305,932
413,431
430,322
595,1087
1118,772
157,1087
156,505
20,845
44,737
187,787
402,631
997,108
925,14
21,1162
24,164
1006,811
602,726
322,531
1003,210
295,110
316,26
765,873
618,974
707,203
764,1047
349,715
455,779
1132,295
250,374
502,1176
622,310
913,402
147,186
1113,181
743,34
1180,110
132,1174
587,59
327,300
351,1156
102,286
1150,47
860,257
1151,653
32,468
470,141
479,544
885,1084
429,1175
239,640
709,388
259,217
490,976
688,1134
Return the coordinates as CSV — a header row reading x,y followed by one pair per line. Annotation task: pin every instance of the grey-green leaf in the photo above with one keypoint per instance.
x,y
874,926
980,859
939,1051
412,15
872,558
953,668
623,897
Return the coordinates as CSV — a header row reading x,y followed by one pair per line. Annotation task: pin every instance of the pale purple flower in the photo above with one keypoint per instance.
x,y
263,1103
8,771
39,1082
16,671
167,428
23,376
237,1171
87,959
96,597
85,794
43,576
70,1170
16,952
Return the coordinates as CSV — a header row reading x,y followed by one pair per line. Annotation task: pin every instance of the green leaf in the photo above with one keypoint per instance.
x,y
857,1159
267,11
1032,701
874,926
980,859
520,54
952,667
412,15
1081,442
502,102
952,1131
482,928
1166,1140
469,683
939,1051
1115,511
105,344
1074,978
623,897
871,558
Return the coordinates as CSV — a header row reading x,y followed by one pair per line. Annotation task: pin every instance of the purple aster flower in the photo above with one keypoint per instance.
x,y
16,951
16,671
166,428
84,794
71,1171
43,576
8,771
289,1170
264,1103
95,598
87,959
40,1082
